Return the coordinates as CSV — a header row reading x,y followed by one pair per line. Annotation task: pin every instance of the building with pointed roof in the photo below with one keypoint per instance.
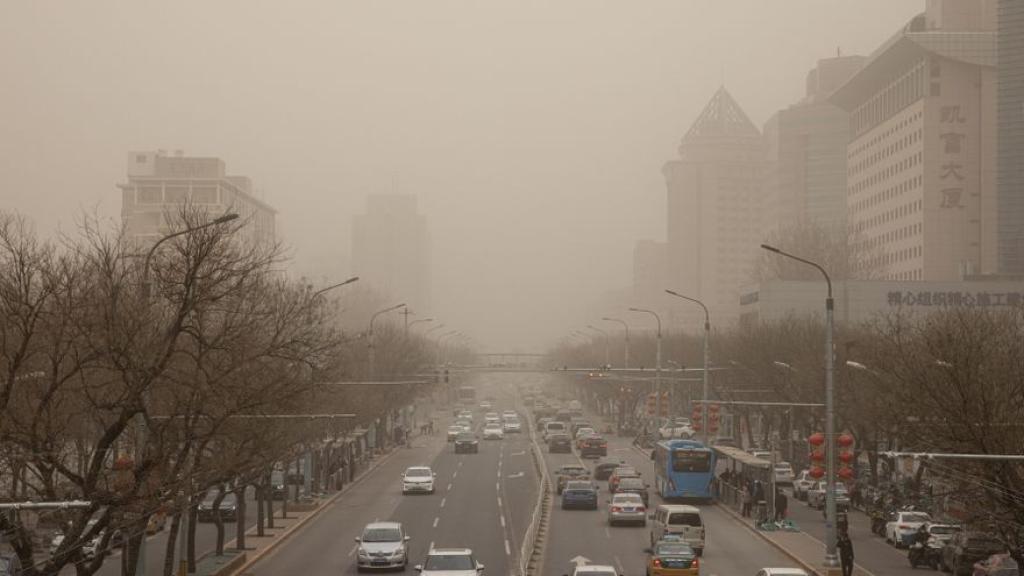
x,y
714,207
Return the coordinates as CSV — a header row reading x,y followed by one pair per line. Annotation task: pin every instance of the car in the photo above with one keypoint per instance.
x,y
554,427
559,443
901,528
453,431
465,415
382,545
942,533
802,483
816,496
418,479
964,549
618,474
782,572
510,414
682,519
450,562
541,422
765,455
672,559
593,570
466,443
466,425
493,431
512,425
604,470
579,494
593,447
627,508
997,565
784,474
569,472
578,424
677,428
485,405
633,485
227,509
583,431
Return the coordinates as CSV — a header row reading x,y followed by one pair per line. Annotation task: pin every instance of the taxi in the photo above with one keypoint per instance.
x,y
672,558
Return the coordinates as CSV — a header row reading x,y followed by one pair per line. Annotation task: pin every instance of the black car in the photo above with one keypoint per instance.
x,y
579,494
603,471
228,508
964,549
634,485
466,442
559,443
593,447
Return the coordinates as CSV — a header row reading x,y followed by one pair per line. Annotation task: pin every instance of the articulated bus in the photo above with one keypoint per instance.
x,y
684,469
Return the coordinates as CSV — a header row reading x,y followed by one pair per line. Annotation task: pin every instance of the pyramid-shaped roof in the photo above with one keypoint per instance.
x,y
722,119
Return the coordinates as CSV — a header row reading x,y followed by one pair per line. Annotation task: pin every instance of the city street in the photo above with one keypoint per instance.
x,y
482,501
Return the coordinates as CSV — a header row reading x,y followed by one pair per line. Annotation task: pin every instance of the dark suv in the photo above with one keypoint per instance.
x,y
593,447
966,548
466,442
559,442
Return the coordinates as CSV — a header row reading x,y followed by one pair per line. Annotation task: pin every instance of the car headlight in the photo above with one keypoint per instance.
x,y
363,553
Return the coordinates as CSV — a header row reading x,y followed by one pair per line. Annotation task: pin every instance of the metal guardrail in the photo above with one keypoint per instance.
x,y
531,554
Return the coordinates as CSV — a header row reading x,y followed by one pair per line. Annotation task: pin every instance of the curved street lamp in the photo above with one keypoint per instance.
x,y
625,363
657,368
333,286
707,367
831,559
607,354
373,355
149,255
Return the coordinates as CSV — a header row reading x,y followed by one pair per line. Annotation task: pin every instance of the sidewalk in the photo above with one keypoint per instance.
x,y
803,548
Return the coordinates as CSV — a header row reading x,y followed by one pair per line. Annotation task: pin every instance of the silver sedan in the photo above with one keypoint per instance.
x,y
627,508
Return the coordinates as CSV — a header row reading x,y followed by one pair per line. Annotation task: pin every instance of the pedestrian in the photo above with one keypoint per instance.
x,y
745,511
845,546
781,502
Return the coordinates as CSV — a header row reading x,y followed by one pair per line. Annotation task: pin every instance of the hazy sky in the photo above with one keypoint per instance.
x,y
533,132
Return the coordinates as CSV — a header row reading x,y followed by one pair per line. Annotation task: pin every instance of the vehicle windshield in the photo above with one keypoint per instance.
x,y
382,535
449,562
418,473
684,519
915,518
628,483
627,499
229,499
465,436
622,471
691,461
944,529
673,549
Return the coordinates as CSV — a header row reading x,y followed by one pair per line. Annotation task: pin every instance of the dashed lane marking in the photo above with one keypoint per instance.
x,y
353,550
436,520
508,550
618,564
502,521
607,533
454,474
499,501
443,500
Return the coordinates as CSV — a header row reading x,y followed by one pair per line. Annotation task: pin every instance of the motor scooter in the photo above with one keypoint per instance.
x,y
878,522
924,554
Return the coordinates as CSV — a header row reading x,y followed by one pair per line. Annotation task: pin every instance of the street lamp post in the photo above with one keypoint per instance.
x,y
657,369
373,356
333,286
415,322
437,344
625,363
831,560
140,561
707,350
607,353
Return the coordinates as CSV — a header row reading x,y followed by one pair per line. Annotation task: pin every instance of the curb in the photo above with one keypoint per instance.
x,y
792,556
283,537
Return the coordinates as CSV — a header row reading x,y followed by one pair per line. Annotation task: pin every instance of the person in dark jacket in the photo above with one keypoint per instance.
x,y
781,502
845,546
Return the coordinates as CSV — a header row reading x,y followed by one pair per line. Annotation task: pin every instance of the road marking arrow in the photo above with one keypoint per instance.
x,y
518,453
580,560
516,475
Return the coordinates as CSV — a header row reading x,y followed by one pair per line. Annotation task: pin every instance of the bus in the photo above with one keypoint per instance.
x,y
684,469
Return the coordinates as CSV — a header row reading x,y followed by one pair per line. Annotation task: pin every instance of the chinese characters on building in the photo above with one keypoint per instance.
x,y
950,175
954,298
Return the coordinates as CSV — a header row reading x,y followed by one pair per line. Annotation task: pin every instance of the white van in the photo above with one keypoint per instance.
x,y
686,521
553,427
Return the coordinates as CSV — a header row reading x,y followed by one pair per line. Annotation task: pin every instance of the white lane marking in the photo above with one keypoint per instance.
x,y
436,520
607,533
502,521
499,501
353,550
618,564
443,500
449,486
508,550
460,463
454,474
497,485
431,545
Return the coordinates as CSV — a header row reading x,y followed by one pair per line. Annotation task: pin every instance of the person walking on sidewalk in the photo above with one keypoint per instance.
x,y
845,546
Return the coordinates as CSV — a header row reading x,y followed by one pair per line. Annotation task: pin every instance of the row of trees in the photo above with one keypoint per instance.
x,y
138,380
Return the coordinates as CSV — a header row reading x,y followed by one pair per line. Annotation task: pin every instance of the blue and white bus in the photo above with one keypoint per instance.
x,y
683,469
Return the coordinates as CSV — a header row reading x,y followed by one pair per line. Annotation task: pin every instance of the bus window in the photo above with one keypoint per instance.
x,y
691,461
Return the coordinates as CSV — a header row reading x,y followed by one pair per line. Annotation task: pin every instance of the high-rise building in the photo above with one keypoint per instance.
x,y
391,250
921,159
806,145
650,272
160,184
714,206
1010,116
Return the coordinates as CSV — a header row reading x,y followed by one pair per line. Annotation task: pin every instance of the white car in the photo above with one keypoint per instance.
x,y
782,572
900,530
382,546
493,432
762,454
418,479
677,428
510,414
783,473
802,484
450,562
512,425
581,432
816,495
594,570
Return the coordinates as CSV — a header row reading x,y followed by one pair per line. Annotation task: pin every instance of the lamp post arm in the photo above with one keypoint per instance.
x,y
828,279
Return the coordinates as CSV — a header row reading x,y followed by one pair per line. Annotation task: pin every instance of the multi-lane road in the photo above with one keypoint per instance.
x,y
484,501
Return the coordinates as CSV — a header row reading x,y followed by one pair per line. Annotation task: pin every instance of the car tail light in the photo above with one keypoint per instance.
x,y
657,563
904,527
604,445
641,509
616,509
695,563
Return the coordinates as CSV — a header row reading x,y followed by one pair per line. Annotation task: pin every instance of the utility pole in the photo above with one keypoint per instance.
x,y
657,371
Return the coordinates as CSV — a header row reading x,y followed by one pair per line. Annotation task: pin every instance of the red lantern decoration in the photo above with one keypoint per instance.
x,y
846,457
846,473
845,440
818,455
713,408
816,439
696,426
817,472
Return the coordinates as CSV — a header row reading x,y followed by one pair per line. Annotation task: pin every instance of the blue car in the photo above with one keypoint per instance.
x,y
579,494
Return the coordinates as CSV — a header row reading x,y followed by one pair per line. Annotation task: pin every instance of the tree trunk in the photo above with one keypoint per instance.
x,y
240,521
193,521
172,540
269,498
218,521
260,495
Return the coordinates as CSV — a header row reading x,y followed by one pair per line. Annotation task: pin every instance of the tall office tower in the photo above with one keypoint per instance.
x,y
921,160
391,250
714,206
805,176
1010,116
159,184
